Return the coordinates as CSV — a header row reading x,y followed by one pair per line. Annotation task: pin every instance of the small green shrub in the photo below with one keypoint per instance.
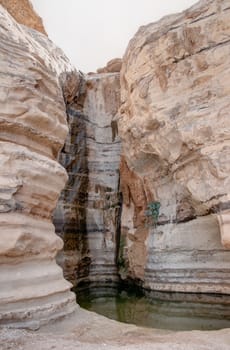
x,y
153,210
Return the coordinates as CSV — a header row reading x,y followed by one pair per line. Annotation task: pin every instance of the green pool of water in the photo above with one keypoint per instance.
x,y
173,311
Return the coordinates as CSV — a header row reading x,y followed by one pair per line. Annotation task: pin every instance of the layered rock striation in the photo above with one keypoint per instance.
x,y
174,125
173,232
87,215
35,78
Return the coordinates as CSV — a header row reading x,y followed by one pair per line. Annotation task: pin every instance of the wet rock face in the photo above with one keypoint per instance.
x,y
174,127
87,213
33,127
22,11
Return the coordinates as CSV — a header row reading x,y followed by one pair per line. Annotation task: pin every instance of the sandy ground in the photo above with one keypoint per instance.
x,y
88,331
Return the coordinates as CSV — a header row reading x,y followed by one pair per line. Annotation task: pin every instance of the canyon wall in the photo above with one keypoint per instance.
x,y
22,11
87,214
174,124
36,77
173,231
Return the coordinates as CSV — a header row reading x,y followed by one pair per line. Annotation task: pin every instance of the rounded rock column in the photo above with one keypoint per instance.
x,y
32,131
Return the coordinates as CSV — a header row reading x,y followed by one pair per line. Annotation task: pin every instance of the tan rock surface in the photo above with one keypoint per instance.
x,y
32,130
113,66
133,250
174,126
23,12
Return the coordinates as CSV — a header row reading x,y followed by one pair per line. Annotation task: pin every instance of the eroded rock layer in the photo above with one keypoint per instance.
x,y
32,130
88,209
22,11
174,127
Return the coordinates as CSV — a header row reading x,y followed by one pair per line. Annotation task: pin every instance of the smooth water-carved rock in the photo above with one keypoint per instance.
x,y
33,128
87,215
174,127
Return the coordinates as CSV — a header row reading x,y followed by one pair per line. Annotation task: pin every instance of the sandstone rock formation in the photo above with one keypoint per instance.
x,y
113,66
34,80
174,127
22,11
88,209
135,198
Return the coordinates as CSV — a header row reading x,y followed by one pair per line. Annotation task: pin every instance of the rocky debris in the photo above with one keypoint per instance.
x,y
23,12
33,128
174,125
113,66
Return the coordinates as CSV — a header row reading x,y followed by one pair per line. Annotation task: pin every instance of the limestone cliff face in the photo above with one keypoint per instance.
x,y
22,11
34,80
88,209
174,127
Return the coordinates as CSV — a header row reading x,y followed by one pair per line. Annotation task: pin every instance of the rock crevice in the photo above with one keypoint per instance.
x,y
86,215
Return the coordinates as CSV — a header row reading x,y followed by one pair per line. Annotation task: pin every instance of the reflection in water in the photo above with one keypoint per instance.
x,y
174,311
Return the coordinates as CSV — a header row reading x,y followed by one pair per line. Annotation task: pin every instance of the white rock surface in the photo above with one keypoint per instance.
x,y
34,78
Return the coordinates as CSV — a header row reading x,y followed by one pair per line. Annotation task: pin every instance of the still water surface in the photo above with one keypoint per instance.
x,y
173,311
